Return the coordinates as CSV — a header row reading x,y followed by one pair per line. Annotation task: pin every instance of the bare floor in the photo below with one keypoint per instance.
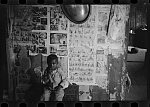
x,y
138,90
138,74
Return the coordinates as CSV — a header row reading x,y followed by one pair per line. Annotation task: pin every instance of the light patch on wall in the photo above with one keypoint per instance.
x,y
101,81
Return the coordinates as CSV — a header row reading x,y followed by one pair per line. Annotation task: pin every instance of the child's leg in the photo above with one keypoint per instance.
x,y
59,95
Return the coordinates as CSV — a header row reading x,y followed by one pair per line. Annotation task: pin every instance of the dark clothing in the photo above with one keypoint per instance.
x,y
33,94
36,89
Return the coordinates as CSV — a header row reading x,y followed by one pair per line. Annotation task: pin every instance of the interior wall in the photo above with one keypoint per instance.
x,y
108,44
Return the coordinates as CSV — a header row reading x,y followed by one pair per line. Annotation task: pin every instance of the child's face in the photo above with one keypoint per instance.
x,y
53,64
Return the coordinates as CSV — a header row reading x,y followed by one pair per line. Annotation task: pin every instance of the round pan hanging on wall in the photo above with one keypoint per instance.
x,y
76,13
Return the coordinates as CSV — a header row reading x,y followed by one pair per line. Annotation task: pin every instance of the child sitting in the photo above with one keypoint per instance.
x,y
54,80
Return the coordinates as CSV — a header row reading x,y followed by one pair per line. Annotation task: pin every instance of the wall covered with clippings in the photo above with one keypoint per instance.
x,y
83,49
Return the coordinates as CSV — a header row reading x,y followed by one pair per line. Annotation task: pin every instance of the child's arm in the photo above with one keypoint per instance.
x,y
45,77
64,81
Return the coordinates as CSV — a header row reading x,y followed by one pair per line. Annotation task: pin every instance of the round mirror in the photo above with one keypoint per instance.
x,y
76,13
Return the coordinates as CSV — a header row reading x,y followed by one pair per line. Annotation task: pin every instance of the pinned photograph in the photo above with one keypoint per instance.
x,y
43,35
33,48
39,27
57,19
42,50
62,52
44,21
35,38
53,49
39,11
63,24
58,38
41,42
63,47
